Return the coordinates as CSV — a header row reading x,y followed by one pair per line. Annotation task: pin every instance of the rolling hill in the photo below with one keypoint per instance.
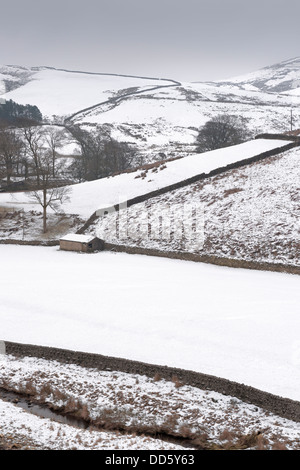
x,y
156,115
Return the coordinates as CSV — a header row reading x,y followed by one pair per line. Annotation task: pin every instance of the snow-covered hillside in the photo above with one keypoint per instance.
x,y
88,197
14,77
250,213
283,77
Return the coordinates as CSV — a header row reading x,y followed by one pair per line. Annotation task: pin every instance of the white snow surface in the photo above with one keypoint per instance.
x,y
238,324
88,197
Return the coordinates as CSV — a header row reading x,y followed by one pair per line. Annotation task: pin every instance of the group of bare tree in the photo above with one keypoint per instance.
x,y
100,154
22,152
32,154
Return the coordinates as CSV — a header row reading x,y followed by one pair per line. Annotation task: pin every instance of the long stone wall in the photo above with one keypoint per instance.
x,y
219,261
11,241
287,136
135,250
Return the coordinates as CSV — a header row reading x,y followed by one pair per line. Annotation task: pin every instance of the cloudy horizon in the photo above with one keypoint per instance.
x,y
195,40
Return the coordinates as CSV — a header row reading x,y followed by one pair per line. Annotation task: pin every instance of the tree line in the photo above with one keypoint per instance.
x,y
99,155
15,114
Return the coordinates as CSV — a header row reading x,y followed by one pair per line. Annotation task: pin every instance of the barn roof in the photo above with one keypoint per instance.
x,y
75,237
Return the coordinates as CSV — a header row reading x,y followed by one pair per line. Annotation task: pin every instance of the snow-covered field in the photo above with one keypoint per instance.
x,y
232,323
88,197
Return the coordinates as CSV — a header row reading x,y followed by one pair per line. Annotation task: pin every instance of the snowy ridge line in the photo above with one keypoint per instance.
x,y
188,181
208,259
106,74
280,406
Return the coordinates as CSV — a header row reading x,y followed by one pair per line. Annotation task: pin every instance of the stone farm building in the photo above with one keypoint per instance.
x,y
82,243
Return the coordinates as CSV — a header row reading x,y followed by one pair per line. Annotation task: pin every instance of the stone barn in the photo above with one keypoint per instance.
x,y
81,243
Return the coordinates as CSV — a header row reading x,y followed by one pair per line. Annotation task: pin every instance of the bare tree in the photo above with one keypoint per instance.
x,y
222,131
54,139
10,152
48,194
33,139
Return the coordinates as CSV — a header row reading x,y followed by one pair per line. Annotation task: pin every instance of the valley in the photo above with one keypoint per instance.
x,y
199,272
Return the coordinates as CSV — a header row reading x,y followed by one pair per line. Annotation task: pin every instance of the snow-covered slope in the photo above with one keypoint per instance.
x,y
278,78
88,197
14,77
250,213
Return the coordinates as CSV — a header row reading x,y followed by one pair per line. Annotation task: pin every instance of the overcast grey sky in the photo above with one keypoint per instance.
x,y
187,40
